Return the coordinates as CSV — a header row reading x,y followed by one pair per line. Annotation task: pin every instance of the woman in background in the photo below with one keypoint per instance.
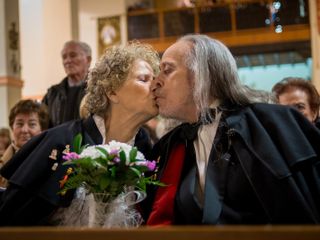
x,y
300,94
5,140
27,119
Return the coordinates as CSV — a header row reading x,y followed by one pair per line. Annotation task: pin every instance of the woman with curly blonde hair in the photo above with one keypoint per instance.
x,y
117,103
118,90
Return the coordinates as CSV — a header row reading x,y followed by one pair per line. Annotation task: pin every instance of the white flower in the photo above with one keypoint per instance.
x,y
114,145
93,152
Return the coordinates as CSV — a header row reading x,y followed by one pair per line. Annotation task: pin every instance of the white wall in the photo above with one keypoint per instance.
x,y
4,107
264,78
315,41
44,26
57,30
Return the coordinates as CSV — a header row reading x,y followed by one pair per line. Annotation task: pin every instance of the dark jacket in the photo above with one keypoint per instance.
x,y
56,101
317,122
32,194
272,174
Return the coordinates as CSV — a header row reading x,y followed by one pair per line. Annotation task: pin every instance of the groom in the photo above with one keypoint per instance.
x,y
234,160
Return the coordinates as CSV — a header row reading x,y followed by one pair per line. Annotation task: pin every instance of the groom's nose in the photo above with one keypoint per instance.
x,y
156,83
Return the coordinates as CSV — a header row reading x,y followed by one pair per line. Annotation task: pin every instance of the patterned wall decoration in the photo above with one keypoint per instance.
x,y
108,32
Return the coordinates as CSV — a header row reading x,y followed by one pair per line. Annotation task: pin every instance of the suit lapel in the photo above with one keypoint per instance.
x,y
92,134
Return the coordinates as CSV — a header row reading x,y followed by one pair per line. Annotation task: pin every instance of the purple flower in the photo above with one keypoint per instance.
x,y
116,160
151,165
114,152
70,156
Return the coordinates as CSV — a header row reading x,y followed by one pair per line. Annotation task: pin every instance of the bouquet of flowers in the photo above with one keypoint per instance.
x,y
110,179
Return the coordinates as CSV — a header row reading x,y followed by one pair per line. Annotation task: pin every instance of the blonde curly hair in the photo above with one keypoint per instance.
x,y
111,71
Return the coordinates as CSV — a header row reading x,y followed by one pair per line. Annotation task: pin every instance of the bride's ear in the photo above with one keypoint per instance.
x,y
113,97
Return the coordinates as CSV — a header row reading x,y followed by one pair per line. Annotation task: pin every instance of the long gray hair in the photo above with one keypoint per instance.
x,y
215,74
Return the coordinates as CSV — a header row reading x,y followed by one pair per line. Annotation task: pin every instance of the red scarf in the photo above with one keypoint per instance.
x,y
163,206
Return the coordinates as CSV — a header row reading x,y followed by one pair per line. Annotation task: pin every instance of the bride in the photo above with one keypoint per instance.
x,y
118,102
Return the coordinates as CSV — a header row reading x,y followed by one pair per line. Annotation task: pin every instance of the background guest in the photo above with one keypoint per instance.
x,y
299,93
5,140
63,99
27,118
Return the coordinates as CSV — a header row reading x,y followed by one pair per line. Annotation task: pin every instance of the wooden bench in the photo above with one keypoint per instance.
x,y
293,232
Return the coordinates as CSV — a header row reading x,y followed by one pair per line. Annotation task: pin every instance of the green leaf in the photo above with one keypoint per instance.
x,y
156,183
102,162
136,171
122,156
133,154
104,152
142,186
142,168
68,163
85,162
113,171
104,182
77,141
83,147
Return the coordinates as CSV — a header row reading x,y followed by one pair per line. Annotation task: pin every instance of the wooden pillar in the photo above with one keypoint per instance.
x,y
10,81
314,12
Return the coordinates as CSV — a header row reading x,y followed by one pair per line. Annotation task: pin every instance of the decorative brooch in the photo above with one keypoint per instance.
x,y
53,154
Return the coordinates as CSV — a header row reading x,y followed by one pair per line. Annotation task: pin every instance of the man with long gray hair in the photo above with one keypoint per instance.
x,y
234,159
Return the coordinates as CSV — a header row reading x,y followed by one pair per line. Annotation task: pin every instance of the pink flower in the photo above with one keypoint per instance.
x,y
114,152
70,156
151,165
116,160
